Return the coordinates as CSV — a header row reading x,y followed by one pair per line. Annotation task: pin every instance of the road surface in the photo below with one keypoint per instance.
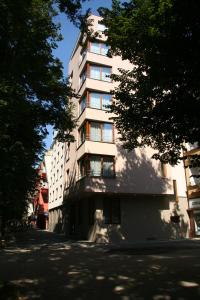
x,y
43,265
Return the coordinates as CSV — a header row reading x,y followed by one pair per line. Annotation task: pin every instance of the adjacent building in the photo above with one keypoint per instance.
x,y
193,189
40,202
97,190
57,182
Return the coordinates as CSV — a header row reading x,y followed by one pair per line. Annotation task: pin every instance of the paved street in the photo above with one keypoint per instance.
x,y
43,265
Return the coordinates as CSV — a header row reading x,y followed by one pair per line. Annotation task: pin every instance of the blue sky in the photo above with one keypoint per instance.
x,y
65,47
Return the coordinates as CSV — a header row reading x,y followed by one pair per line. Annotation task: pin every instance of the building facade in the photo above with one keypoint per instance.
x,y
57,181
193,190
109,194
39,215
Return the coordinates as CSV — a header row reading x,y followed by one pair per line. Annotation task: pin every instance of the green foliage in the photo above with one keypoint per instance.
x,y
33,94
158,100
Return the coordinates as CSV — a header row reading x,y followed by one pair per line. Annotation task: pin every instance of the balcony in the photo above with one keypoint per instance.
x,y
97,85
96,148
94,58
117,185
95,114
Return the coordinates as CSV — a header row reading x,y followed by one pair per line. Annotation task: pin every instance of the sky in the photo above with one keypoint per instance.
x,y
65,47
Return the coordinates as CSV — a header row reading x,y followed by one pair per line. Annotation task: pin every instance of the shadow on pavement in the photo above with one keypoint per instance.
x,y
44,265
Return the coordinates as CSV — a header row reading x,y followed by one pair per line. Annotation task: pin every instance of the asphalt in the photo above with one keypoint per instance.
x,y
44,265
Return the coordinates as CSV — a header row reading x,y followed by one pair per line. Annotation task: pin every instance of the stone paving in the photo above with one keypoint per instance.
x,y
43,265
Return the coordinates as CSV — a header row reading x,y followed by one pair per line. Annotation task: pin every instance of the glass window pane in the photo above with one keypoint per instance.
x,y
95,72
106,101
95,166
82,104
116,211
95,100
95,132
95,47
82,168
107,134
106,73
82,78
104,49
82,134
101,27
107,211
108,167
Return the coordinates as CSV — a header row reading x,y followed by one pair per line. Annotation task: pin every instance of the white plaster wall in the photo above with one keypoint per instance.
x,y
96,148
95,114
141,219
178,174
56,174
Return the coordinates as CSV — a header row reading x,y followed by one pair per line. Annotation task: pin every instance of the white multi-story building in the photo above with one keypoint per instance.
x,y
56,185
110,194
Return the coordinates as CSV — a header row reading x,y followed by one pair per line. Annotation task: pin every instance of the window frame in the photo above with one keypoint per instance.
x,y
85,166
87,97
101,47
87,134
86,73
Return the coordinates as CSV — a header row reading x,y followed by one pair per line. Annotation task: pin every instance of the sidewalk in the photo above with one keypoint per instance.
x,y
44,265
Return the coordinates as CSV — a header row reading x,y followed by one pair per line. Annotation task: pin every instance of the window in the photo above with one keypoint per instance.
x,y
82,134
67,178
61,171
105,75
82,77
100,72
60,190
95,100
96,72
99,101
95,47
67,152
107,132
82,56
106,101
101,132
108,170
111,211
91,211
98,48
101,27
96,132
83,168
96,166
82,104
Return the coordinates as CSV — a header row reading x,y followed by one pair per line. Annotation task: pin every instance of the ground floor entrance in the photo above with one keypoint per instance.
x,y
115,218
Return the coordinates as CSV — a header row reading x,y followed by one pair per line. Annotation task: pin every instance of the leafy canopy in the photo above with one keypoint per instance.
x,y
33,94
158,100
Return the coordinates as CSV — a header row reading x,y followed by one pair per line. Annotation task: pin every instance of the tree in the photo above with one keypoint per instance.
x,y
158,100
33,94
